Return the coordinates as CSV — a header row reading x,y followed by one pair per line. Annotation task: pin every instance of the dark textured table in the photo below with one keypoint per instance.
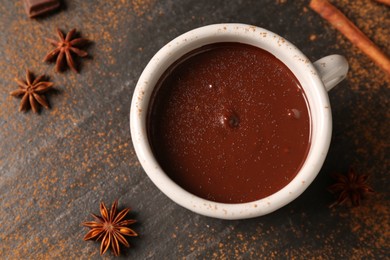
x,y
56,166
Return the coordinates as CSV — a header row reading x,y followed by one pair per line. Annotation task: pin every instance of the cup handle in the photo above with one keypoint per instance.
x,y
331,69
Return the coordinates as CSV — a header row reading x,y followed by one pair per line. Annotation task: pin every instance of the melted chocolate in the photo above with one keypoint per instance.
x,y
229,122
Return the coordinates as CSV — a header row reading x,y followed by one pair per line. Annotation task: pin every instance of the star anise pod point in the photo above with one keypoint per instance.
x,y
32,91
111,228
64,48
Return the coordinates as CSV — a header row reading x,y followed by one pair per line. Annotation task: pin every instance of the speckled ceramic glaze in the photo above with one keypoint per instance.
x,y
316,79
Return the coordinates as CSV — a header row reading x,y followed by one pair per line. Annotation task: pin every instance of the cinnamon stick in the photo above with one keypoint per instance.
x,y
350,31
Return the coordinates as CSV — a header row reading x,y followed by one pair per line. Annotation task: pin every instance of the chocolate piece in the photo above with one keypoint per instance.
x,y
40,7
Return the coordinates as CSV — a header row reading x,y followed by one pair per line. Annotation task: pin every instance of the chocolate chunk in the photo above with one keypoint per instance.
x,y
40,7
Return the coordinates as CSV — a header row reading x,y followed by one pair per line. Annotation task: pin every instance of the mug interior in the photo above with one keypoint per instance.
x,y
301,67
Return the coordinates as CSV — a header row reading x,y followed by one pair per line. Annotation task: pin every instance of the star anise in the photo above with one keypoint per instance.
x,y
351,187
32,91
111,228
65,47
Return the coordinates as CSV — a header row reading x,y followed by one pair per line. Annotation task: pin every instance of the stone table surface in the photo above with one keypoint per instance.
x,y
56,166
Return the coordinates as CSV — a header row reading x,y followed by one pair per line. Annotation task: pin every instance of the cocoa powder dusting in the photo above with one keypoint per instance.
x,y
55,166
140,7
23,47
369,85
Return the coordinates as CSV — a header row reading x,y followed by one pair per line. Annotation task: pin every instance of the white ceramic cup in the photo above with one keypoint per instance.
x,y
316,79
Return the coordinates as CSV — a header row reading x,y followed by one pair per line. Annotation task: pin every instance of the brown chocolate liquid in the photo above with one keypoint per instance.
x,y
229,122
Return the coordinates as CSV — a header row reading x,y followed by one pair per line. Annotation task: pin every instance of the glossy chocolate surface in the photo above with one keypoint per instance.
x,y
229,122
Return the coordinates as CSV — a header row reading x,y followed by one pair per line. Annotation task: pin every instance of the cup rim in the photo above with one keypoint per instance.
x,y
197,38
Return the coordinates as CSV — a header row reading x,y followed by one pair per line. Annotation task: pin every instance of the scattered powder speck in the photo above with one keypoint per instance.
x,y
312,37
